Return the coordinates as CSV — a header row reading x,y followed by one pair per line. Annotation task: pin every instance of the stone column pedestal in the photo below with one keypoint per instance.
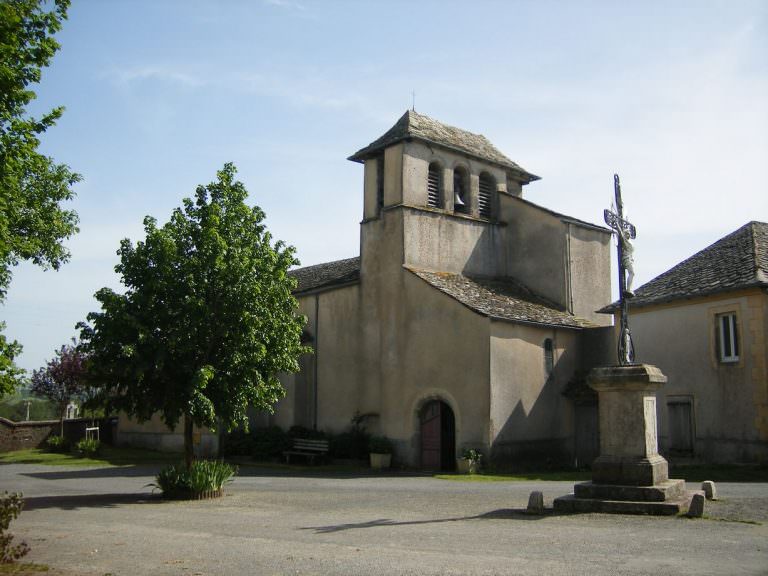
x,y
629,476
629,450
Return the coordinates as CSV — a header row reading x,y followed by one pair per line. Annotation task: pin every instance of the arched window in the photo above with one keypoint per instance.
x,y
460,191
485,196
549,357
434,186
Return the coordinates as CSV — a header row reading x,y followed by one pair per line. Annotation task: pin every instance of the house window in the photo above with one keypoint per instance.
x,y
727,338
460,191
680,414
485,198
379,183
434,187
549,357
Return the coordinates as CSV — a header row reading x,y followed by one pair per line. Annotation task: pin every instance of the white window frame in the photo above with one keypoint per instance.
x,y
727,326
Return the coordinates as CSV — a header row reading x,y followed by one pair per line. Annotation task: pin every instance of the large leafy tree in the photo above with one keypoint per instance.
x,y
62,379
207,320
33,223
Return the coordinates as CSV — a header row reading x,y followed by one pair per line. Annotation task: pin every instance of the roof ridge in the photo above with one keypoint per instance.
x,y
736,261
417,126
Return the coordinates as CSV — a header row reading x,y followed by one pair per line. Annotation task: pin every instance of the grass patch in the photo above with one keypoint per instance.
x,y
692,473
22,568
549,476
108,456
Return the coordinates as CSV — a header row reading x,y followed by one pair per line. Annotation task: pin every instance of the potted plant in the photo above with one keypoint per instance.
x,y
469,463
380,448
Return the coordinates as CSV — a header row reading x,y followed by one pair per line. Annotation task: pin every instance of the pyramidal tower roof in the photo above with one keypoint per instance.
x,y
415,126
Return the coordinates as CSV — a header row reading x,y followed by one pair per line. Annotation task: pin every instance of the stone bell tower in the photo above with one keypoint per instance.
x,y
442,199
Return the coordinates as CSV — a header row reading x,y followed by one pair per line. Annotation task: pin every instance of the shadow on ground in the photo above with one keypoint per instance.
x,y
73,502
106,472
500,514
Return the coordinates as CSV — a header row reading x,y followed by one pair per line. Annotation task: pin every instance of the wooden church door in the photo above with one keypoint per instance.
x,y
438,442
430,436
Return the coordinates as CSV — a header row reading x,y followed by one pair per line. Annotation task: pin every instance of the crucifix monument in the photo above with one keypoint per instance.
x,y
629,476
625,232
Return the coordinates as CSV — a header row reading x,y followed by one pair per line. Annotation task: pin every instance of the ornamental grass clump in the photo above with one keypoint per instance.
x,y
88,447
10,508
57,444
203,479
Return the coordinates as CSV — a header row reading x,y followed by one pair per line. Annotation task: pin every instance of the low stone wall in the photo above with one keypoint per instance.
x,y
23,435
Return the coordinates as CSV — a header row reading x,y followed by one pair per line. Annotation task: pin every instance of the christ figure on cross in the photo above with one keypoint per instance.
x,y
625,232
627,259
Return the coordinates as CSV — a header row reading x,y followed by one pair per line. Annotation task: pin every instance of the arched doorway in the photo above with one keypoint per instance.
x,y
438,436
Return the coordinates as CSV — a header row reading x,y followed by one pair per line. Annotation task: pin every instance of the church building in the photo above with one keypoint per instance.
x,y
467,316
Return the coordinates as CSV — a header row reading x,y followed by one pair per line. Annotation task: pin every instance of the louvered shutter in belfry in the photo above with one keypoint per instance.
x,y
433,187
484,199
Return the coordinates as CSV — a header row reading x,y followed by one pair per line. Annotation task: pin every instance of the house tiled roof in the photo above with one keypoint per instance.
x,y
412,125
501,299
326,275
737,261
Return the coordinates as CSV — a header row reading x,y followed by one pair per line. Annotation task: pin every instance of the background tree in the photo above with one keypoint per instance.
x,y
207,320
63,379
9,372
32,186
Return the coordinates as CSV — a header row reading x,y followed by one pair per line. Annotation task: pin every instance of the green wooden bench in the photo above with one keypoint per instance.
x,y
309,449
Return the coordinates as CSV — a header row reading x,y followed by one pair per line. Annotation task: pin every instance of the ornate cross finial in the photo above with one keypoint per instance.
x,y
625,232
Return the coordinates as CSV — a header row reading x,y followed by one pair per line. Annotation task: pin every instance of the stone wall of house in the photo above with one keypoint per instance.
x,y
709,409
154,434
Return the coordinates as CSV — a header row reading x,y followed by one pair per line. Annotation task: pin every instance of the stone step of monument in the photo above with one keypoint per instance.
x,y
573,504
668,490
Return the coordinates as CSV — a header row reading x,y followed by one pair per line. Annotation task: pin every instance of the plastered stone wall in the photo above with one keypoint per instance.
x,y
729,400
588,272
528,410
536,249
156,435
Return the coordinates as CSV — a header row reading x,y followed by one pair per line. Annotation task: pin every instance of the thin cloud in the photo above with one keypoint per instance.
x,y
288,4
145,73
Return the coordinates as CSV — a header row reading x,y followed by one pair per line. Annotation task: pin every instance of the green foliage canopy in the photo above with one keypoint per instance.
x,y
32,186
207,320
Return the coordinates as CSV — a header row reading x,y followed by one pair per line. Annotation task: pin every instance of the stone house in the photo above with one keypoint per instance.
x,y
704,323
465,316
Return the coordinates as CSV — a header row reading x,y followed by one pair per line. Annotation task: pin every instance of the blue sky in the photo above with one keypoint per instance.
x,y
160,94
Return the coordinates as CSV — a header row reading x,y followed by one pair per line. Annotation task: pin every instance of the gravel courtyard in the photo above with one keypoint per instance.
x,y
105,521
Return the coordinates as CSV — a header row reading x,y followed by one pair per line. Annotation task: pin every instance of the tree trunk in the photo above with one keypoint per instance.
x,y
188,448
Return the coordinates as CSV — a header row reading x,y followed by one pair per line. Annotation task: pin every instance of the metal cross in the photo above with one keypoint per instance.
x,y
625,232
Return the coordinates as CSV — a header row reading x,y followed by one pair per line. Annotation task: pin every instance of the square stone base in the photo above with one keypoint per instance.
x,y
628,471
667,498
